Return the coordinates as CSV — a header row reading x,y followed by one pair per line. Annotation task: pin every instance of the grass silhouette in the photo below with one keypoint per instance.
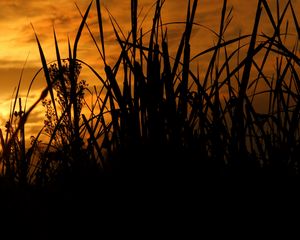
x,y
155,116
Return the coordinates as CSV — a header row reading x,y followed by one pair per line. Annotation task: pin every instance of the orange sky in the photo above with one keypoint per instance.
x,y
17,37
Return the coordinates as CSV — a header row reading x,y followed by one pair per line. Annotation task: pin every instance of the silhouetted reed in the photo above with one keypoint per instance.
x,y
155,115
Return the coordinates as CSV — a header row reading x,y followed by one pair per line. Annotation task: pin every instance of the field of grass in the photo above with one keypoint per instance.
x,y
154,115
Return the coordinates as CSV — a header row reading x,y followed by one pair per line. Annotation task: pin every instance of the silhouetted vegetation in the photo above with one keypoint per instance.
x,y
154,115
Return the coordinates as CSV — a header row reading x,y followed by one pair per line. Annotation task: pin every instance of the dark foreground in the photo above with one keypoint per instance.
x,y
141,204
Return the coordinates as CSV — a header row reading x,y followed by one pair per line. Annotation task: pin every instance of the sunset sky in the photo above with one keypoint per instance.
x,y
17,40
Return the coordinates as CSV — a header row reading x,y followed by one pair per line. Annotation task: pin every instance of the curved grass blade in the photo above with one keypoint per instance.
x,y
46,72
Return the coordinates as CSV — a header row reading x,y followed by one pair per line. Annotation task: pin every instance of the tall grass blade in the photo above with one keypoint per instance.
x,y
100,24
46,73
78,35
